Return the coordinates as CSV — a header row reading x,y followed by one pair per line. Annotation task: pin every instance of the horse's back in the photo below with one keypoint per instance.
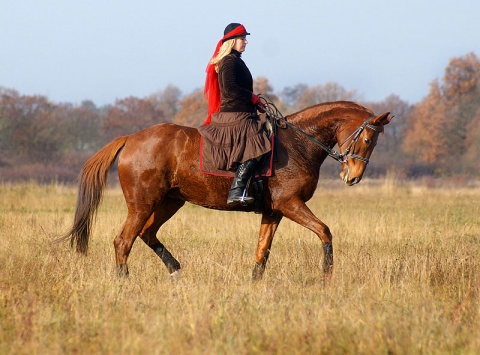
x,y
158,148
163,133
164,137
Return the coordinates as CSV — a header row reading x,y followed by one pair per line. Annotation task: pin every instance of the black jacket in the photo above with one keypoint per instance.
x,y
236,84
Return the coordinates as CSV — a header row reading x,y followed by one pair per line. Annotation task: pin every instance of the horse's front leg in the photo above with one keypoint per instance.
x,y
298,212
327,258
265,238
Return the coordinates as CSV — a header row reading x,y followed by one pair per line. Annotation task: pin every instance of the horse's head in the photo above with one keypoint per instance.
x,y
357,143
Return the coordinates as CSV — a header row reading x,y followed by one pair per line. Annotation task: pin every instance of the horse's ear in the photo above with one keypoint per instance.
x,y
382,119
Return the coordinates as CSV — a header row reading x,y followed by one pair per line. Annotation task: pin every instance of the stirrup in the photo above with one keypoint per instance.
x,y
245,199
239,199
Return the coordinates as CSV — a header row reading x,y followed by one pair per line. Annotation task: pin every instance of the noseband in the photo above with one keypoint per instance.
x,y
280,121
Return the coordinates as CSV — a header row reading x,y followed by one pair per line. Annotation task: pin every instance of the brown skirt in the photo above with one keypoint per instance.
x,y
232,138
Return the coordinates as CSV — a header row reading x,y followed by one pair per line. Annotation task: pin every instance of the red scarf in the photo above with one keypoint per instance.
x,y
212,88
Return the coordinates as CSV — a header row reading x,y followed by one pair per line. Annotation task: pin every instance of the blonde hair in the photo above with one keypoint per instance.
x,y
224,50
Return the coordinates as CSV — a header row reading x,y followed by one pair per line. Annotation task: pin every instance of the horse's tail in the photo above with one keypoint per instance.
x,y
93,179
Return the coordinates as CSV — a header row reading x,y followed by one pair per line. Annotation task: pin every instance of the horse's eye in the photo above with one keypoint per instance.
x,y
366,140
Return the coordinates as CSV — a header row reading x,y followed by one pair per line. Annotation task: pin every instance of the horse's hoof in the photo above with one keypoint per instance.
x,y
257,273
122,271
175,276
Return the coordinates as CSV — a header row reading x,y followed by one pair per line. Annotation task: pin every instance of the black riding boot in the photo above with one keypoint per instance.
x,y
238,193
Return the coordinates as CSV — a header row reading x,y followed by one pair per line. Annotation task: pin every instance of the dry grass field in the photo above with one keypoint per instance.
x,y
406,278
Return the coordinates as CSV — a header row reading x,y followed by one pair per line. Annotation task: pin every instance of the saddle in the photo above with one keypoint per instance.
x,y
209,168
265,169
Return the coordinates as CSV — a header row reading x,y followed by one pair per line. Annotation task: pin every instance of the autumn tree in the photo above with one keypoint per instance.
x,y
29,127
424,139
462,97
438,128
130,115
194,110
262,86
472,145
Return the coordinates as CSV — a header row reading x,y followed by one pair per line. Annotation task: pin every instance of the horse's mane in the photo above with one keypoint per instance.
x,y
325,107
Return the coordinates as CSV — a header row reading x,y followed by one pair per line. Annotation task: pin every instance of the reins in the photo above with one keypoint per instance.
x,y
280,121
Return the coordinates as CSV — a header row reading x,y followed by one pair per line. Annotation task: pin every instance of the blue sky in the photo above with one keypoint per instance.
x,y
72,50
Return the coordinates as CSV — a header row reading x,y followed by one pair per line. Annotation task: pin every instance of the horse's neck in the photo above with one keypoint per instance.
x,y
321,125
324,120
302,147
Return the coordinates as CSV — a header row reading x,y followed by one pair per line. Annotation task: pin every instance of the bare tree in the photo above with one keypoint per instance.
x,y
194,110
130,115
167,101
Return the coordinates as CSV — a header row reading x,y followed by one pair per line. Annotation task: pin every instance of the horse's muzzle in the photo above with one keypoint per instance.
x,y
345,175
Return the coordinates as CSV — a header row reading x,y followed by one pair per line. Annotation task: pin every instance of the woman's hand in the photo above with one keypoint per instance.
x,y
258,103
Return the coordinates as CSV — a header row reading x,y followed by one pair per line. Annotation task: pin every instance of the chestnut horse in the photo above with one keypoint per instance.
x,y
159,171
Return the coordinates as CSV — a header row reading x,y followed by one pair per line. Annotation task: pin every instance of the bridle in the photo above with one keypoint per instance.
x,y
278,120
356,135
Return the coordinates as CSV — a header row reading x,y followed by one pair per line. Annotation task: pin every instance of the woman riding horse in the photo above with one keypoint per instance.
x,y
159,171
233,131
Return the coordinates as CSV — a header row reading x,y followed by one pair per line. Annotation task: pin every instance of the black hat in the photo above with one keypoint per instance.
x,y
240,31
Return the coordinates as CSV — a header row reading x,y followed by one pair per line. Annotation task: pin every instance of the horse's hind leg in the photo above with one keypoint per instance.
x,y
265,239
163,212
124,240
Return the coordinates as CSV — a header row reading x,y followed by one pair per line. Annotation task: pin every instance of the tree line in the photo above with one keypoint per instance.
x,y
437,136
